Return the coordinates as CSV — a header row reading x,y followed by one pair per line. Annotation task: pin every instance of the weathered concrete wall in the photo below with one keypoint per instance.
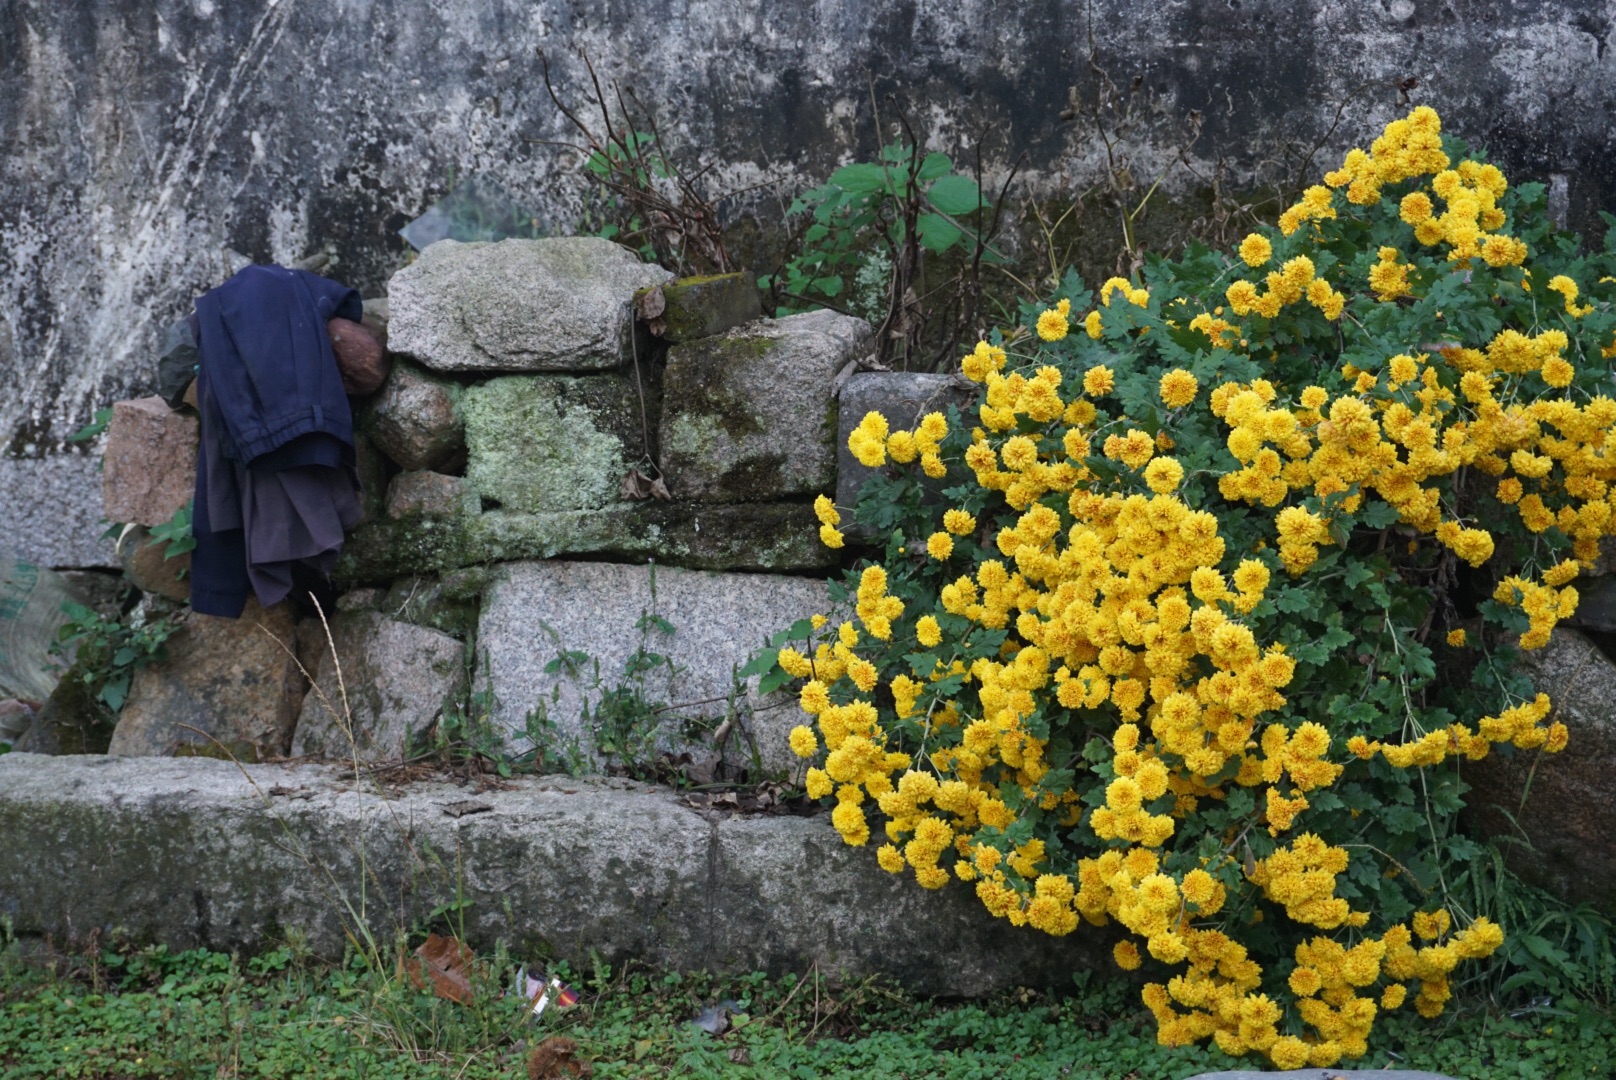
x,y
194,852
142,145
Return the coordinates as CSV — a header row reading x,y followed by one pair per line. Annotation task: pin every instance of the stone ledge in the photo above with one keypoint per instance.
x,y
195,852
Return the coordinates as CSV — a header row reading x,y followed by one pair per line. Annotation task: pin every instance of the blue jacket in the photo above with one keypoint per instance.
x,y
269,361
272,403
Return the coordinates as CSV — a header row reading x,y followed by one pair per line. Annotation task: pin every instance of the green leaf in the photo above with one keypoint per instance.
x,y
761,664
773,681
1294,601
936,232
95,427
934,165
115,691
955,195
862,177
831,286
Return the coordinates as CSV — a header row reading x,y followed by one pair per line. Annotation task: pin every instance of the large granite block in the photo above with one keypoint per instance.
x,y
749,416
600,616
557,304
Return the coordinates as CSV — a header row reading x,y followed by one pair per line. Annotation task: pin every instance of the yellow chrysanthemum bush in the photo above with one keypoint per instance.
x,y
1156,635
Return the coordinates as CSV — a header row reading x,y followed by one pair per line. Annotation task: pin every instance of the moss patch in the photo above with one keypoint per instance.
x,y
748,536
549,443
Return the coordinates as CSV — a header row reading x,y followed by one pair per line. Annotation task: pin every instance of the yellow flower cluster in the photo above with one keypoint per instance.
x,y
829,517
1405,428
1052,324
872,441
1292,282
1116,594
1409,147
1520,725
1388,277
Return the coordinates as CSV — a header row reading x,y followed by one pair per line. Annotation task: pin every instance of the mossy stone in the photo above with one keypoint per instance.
x,y
748,536
749,416
551,443
438,603
72,720
698,307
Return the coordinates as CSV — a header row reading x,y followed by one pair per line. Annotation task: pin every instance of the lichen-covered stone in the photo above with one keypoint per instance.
x,y
903,397
415,420
698,307
396,680
556,304
206,854
227,687
602,614
148,470
1567,815
749,416
429,494
704,536
545,443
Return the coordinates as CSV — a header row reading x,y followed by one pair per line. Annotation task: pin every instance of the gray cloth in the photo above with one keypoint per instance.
x,y
291,506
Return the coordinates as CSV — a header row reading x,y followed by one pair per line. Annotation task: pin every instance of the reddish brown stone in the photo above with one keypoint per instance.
x,y
149,466
147,566
414,420
360,357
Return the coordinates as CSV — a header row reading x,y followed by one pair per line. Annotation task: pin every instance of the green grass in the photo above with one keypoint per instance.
x,y
152,1014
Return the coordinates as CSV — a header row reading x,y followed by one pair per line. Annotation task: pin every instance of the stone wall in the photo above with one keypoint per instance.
x,y
147,148
528,419
208,854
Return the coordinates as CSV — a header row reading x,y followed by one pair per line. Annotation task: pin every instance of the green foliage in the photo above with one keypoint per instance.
x,y
858,218
635,161
175,533
153,1014
96,426
107,650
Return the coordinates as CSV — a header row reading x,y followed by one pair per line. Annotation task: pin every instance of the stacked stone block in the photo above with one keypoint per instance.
x,y
548,400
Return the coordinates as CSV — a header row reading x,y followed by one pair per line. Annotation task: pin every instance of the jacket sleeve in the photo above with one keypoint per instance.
x,y
334,300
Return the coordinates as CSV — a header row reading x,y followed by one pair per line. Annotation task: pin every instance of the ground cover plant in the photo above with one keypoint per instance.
x,y
150,1014
1156,633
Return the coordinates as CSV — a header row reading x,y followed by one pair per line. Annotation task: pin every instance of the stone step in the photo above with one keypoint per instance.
x,y
202,853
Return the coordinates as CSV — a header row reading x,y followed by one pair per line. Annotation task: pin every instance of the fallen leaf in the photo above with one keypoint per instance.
x,y
637,485
446,963
651,303
556,1058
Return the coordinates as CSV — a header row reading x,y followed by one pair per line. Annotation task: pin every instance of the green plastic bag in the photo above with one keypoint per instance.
x,y
31,599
